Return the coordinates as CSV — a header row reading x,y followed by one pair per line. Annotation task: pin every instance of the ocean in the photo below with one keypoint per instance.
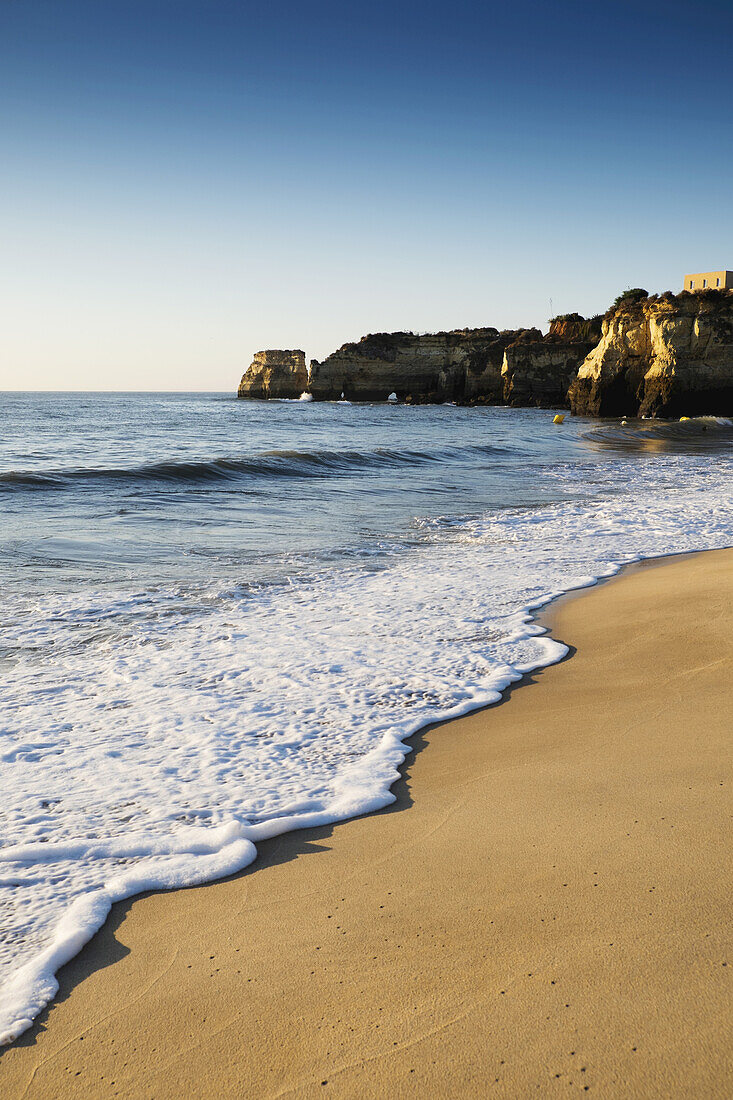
x,y
221,619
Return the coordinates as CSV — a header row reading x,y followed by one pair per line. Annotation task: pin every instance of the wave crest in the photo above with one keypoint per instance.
x,y
268,464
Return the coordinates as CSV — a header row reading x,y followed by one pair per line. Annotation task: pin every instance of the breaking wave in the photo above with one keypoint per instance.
x,y
268,464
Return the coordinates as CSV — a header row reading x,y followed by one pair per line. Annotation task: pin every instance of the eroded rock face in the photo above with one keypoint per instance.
x,y
669,356
538,370
463,365
275,374
581,331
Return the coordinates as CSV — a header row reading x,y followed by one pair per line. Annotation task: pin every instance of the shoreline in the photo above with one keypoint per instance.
x,y
93,966
67,949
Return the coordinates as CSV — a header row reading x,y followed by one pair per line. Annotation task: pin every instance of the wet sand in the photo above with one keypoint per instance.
x,y
546,909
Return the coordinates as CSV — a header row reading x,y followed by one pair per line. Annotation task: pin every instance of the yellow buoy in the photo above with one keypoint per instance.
x,y
684,418
558,419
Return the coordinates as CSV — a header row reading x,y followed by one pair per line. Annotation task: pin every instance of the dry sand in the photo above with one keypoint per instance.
x,y
545,911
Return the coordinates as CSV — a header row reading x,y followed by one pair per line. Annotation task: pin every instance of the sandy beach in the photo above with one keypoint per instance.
x,y
545,909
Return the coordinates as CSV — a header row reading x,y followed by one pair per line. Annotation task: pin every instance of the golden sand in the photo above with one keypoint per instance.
x,y
545,911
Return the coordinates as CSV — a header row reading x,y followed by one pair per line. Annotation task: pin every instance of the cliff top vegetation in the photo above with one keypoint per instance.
x,y
567,317
377,343
633,299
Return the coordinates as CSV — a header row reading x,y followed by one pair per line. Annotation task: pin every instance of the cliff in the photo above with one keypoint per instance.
x,y
275,374
668,355
538,370
462,365
661,356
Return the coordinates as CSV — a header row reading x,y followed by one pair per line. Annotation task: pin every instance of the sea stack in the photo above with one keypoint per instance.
x,y
275,374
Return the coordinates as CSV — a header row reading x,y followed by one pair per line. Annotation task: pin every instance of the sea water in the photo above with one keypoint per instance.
x,y
221,619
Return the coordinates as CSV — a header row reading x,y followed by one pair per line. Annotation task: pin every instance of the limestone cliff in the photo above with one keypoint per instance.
x,y
275,374
462,365
661,356
537,370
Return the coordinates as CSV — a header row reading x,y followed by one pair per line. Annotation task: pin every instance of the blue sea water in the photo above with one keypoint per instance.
x,y
175,487
221,619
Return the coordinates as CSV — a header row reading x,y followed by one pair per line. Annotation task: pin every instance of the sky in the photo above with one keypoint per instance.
x,y
186,182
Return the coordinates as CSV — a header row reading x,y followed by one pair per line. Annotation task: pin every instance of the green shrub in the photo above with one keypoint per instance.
x,y
567,317
630,297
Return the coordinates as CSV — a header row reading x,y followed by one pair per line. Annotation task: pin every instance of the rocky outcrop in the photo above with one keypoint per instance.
x,y
463,365
275,374
661,356
537,370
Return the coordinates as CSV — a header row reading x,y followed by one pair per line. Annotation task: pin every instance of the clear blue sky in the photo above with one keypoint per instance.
x,y
184,182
